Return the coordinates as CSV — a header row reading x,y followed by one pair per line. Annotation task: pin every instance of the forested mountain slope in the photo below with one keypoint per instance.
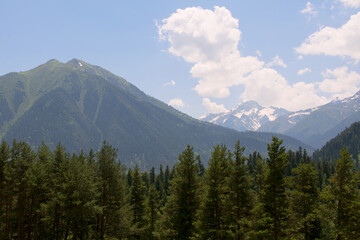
x,y
349,139
81,105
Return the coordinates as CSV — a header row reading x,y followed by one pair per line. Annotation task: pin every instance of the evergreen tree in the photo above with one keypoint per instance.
x,y
213,222
4,159
138,205
167,180
112,221
343,196
152,175
181,209
239,199
80,199
259,219
275,199
129,178
22,158
305,201
152,212
201,168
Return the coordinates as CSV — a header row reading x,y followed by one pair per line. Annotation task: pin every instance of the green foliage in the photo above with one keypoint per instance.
x,y
275,201
54,195
305,201
182,206
343,195
349,139
137,203
213,219
239,199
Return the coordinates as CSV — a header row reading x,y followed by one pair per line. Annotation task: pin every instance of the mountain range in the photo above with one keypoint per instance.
x,y
314,126
81,105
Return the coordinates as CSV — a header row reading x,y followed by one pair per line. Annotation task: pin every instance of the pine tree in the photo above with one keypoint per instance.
x,y
112,221
181,209
152,212
4,159
275,199
138,205
22,158
343,196
259,219
239,199
152,175
80,199
213,222
305,200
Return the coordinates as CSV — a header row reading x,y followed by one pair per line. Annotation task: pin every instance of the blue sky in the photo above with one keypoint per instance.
x,y
199,56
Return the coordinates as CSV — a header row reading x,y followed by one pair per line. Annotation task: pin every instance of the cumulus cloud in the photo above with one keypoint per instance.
x,y
209,40
212,107
171,83
351,3
277,61
269,88
309,11
176,102
340,82
343,41
303,71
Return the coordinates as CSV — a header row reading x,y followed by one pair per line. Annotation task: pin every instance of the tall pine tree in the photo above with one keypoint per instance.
x,y
275,199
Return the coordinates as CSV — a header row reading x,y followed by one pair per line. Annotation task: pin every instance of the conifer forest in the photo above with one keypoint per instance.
x,y
55,195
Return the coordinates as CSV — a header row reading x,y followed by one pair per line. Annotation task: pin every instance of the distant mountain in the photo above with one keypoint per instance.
x,y
247,116
321,124
81,105
349,139
313,126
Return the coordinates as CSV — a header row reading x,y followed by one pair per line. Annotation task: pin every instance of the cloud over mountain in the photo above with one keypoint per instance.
x,y
209,40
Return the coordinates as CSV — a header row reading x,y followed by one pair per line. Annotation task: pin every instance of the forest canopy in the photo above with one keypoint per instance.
x,y
56,195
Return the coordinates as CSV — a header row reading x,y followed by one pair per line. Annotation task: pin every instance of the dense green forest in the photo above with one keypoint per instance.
x,y
56,195
349,139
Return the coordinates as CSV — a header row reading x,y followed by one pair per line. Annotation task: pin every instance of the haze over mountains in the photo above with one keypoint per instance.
x,y
314,126
81,105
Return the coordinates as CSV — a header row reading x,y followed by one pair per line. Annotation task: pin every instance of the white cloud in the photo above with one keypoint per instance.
x,y
171,83
340,82
199,35
303,71
176,102
351,3
212,107
343,41
276,61
209,39
309,11
269,88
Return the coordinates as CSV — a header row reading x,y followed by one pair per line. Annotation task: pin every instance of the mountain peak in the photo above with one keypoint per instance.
x,y
76,63
51,61
248,115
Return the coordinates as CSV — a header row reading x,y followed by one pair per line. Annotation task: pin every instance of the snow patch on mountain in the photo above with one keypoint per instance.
x,y
246,116
269,112
298,114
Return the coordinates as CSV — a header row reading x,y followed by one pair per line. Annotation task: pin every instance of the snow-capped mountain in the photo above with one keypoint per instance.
x,y
246,116
313,126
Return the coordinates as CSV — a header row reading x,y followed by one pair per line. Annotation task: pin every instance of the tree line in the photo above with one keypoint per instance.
x,y
48,194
